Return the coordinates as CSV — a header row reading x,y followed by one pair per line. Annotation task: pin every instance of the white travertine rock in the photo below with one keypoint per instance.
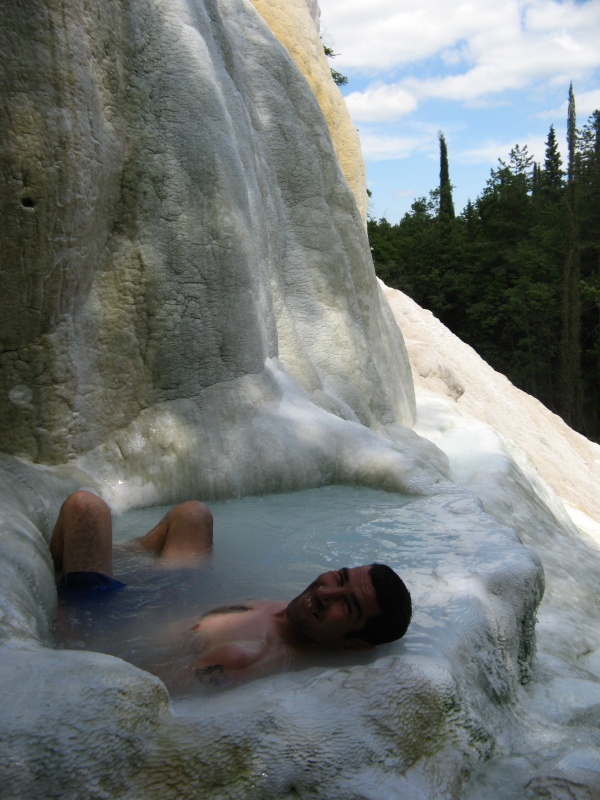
x,y
419,716
174,215
442,364
288,21
260,433
315,11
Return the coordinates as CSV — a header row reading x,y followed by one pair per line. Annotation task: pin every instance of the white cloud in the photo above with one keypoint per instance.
x,y
585,104
491,45
405,193
481,71
386,33
380,103
381,146
492,150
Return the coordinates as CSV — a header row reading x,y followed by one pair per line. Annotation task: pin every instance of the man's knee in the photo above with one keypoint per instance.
x,y
83,502
82,537
195,516
192,510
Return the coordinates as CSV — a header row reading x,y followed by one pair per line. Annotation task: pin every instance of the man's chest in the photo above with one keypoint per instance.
x,y
253,624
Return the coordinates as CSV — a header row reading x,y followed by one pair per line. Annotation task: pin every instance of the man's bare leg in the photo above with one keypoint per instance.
x,y
186,531
82,537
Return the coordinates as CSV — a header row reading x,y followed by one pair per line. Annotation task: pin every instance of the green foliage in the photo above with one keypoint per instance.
x,y
571,390
338,78
517,274
552,177
446,203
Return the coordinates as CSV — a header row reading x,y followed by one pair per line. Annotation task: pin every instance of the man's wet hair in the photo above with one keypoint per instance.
x,y
393,599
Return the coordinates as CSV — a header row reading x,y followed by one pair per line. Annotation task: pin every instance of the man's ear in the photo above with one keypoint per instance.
x,y
358,644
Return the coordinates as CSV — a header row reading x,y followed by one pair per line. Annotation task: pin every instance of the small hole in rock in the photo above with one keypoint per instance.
x,y
28,202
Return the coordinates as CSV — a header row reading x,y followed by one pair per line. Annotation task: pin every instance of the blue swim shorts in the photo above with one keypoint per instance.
x,y
79,585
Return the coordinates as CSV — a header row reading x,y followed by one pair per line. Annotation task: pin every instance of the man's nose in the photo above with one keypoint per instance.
x,y
327,593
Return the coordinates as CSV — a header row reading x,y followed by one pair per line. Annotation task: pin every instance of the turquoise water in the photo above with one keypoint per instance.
x,y
272,547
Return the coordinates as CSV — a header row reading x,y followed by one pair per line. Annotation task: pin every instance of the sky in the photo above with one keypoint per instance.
x,y
488,74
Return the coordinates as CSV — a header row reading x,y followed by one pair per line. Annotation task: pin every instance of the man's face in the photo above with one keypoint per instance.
x,y
336,603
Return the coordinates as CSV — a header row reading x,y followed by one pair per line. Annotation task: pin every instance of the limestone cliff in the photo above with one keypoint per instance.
x,y
174,216
288,21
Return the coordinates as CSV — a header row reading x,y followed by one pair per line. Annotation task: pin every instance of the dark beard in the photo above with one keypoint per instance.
x,y
296,612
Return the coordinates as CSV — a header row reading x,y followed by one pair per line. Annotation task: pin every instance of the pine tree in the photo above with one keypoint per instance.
x,y
384,250
517,274
537,294
552,176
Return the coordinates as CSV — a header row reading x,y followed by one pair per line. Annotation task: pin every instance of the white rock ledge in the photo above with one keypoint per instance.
x,y
422,712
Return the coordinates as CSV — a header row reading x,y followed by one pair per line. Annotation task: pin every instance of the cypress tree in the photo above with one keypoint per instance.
x,y
571,394
517,274
446,210
589,241
536,179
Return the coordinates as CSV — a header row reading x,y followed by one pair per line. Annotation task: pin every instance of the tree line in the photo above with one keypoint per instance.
x,y
517,274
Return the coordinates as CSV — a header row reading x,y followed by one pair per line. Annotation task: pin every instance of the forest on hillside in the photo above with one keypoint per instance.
x,y
517,274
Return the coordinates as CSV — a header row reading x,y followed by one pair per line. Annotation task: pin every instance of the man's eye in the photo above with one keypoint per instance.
x,y
340,579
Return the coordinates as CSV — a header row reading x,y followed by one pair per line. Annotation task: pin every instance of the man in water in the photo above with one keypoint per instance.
x,y
349,609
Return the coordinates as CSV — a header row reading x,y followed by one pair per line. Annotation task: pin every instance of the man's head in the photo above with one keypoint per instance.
x,y
395,607
352,608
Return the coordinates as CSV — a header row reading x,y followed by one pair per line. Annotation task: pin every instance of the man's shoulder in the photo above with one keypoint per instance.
x,y
273,606
256,620
230,609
